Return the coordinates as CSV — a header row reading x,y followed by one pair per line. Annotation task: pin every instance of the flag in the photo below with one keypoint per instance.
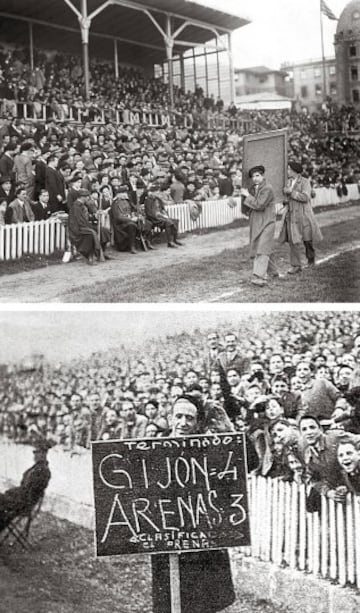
x,y
326,11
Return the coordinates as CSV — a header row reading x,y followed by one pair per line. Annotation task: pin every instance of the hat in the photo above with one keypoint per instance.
x,y
4,180
43,445
82,193
254,169
75,178
122,192
296,167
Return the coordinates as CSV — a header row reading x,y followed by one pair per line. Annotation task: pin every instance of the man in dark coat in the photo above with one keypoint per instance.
x,y
41,208
128,223
205,577
260,203
82,231
55,185
7,192
32,487
155,212
7,163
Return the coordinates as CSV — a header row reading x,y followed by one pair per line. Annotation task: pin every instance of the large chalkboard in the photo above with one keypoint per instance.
x,y
170,495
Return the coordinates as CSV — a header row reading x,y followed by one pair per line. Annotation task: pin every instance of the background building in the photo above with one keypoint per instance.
x,y
306,81
347,48
259,79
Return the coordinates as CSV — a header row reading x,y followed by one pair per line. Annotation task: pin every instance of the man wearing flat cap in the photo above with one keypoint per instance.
x,y
298,224
128,223
259,203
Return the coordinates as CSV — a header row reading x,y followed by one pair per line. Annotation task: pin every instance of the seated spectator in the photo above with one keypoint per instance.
x,y
157,215
82,232
34,481
124,222
19,210
41,208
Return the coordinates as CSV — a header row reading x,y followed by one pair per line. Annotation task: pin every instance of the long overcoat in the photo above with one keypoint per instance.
x,y
298,222
262,219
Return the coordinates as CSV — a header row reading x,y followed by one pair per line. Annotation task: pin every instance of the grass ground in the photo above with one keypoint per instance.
x,y
61,575
224,277
29,262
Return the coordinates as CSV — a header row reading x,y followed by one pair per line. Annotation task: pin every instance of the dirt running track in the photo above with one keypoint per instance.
x,y
56,283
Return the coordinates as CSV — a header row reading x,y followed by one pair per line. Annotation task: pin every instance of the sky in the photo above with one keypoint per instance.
x,y
281,30
62,336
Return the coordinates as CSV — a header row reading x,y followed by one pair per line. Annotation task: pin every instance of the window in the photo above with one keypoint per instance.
x,y
353,51
332,70
304,91
263,79
302,74
318,89
317,73
333,90
354,73
356,95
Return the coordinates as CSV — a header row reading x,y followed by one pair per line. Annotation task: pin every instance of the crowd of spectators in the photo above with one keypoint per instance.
x,y
37,155
290,383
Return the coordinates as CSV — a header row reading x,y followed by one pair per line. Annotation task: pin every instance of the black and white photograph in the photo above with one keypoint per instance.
x,y
218,141
179,306
178,461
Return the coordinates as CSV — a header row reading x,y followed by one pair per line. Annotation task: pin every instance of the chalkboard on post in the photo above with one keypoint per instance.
x,y
170,495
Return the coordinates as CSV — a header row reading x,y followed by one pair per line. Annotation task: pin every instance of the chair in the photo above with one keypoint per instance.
x,y
17,526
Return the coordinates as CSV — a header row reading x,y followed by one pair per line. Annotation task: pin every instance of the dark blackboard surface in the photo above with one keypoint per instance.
x,y
268,149
170,495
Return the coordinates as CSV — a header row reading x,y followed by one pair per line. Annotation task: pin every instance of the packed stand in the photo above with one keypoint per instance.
x,y
291,386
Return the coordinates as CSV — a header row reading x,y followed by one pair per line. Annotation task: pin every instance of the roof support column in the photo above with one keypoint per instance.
x,y
85,27
169,45
231,67
31,45
116,59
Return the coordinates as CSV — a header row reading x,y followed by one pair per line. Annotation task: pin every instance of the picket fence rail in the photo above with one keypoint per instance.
x,y
325,543
46,237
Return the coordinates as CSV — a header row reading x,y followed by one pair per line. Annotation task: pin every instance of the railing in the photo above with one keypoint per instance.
x,y
326,543
38,111
43,112
45,237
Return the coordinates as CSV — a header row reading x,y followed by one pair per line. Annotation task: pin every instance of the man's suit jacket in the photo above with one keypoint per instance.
x,y
234,360
39,211
19,213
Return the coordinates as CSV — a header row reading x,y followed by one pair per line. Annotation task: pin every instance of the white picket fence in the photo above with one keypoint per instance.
x,y
325,544
36,237
45,237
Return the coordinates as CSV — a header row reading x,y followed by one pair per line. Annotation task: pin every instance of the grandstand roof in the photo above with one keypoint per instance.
x,y
131,27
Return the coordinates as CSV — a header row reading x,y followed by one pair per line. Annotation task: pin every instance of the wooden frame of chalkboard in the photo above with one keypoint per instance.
x,y
170,495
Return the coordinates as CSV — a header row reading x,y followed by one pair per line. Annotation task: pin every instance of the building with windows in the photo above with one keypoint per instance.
x,y
260,79
347,48
306,83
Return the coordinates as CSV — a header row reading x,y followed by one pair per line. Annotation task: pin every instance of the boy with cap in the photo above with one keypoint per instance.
x,y
298,224
260,205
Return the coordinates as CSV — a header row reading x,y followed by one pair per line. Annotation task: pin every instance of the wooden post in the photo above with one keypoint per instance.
x,y
175,583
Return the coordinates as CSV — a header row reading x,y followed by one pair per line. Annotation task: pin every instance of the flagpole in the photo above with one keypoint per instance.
x,y
323,53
